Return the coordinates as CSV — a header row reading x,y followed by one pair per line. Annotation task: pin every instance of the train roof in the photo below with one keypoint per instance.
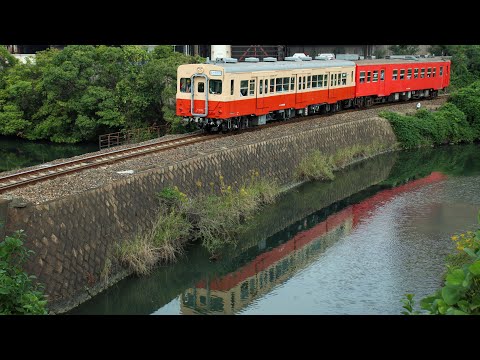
x,y
281,65
401,61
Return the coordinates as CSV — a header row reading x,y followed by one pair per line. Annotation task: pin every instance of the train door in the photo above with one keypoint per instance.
x,y
446,76
307,95
301,87
261,91
382,81
199,103
332,79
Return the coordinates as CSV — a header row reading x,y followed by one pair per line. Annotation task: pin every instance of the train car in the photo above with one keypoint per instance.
x,y
400,79
227,95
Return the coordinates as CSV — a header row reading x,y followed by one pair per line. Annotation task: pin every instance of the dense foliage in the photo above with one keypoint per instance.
x,y
446,125
468,100
403,49
82,91
19,292
465,63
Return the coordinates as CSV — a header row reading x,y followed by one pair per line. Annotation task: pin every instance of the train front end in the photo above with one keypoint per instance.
x,y
201,95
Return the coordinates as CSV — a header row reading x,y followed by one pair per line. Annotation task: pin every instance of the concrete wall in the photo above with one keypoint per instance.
x,y
73,236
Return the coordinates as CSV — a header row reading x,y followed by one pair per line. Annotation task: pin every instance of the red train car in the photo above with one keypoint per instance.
x,y
400,79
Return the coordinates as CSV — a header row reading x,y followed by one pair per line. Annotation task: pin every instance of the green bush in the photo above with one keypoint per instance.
x,y
217,219
19,292
468,100
162,244
172,197
316,166
446,125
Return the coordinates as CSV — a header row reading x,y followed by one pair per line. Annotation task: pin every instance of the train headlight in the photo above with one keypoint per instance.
x,y
218,122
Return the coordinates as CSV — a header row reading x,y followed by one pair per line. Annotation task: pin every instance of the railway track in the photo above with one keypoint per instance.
x,y
50,171
28,177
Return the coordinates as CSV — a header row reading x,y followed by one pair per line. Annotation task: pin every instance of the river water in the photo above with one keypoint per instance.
x,y
355,245
18,154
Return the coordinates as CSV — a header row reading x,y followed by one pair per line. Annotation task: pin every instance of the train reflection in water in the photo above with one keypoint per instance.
x,y
231,293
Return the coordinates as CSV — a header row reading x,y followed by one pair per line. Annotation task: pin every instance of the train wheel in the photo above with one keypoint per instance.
x,y
224,127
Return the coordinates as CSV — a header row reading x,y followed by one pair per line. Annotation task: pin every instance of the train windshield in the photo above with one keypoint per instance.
x,y
185,85
215,86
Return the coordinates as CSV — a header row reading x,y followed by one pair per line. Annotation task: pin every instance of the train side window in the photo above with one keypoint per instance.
x,y
395,74
292,83
244,88
320,81
332,81
441,71
304,82
325,80
260,87
434,72
266,86
362,77
353,79
215,87
272,86
402,74
314,81
369,76
252,87
286,83
201,87
409,74
232,83
279,85
185,85
309,82
344,78
422,73
429,72
375,76
382,75
415,74
299,83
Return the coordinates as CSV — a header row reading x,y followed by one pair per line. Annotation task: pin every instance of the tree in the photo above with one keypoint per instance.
x,y
403,49
82,91
379,53
468,100
6,59
440,50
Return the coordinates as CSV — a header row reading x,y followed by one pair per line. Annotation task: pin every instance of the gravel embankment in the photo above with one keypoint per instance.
x,y
96,177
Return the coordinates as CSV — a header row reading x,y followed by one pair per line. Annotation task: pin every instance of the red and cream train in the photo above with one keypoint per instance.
x,y
229,95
